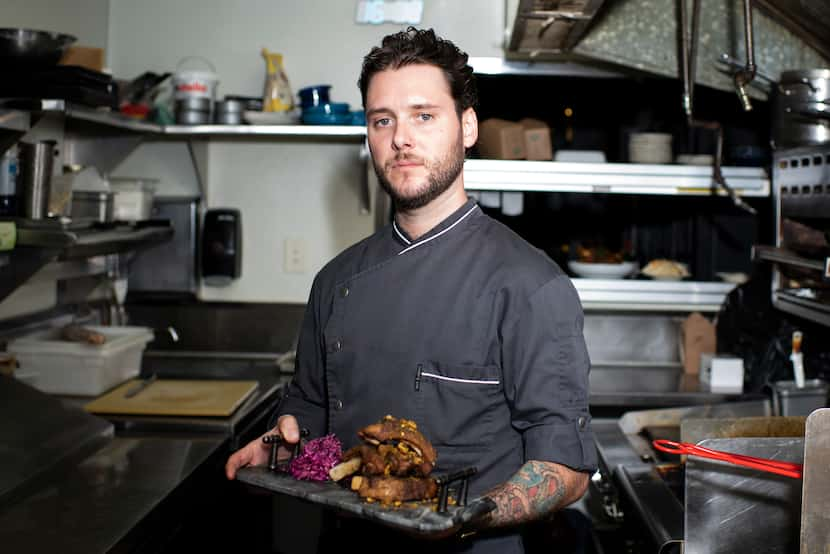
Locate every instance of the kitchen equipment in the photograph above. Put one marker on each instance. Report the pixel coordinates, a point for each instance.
(801, 108)
(602, 270)
(170, 266)
(72, 83)
(136, 388)
(93, 205)
(9, 169)
(195, 83)
(786, 469)
(801, 254)
(229, 112)
(422, 518)
(271, 118)
(36, 175)
(789, 399)
(650, 148)
(194, 110)
(314, 96)
(175, 397)
(65, 367)
(221, 253)
(132, 198)
(736, 509)
(32, 48)
(815, 494)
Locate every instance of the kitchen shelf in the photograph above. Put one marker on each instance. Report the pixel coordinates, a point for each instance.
(782, 256)
(357, 132)
(96, 240)
(18, 119)
(797, 304)
(651, 295)
(612, 178)
(39, 244)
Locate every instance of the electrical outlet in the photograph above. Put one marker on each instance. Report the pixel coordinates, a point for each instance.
(295, 256)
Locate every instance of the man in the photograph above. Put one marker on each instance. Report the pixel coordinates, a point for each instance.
(445, 316)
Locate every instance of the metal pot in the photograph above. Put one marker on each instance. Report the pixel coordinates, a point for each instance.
(26, 47)
(801, 108)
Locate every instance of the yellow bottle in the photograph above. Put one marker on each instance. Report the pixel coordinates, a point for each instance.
(277, 96)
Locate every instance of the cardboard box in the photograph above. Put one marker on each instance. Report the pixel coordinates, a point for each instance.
(499, 139)
(697, 337)
(537, 139)
(84, 56)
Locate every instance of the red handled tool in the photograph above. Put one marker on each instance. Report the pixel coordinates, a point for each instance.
(788, 469)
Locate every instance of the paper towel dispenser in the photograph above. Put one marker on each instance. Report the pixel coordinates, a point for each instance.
(221, 252)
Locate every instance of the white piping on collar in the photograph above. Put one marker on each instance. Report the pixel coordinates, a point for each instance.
(438, 234)
(403, 238)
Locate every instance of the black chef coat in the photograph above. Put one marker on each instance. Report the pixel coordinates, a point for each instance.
(467, 330)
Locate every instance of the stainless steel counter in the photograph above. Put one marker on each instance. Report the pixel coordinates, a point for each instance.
(133, 491)
(95, 504)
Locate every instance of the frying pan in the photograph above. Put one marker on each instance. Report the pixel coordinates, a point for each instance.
(31, 48)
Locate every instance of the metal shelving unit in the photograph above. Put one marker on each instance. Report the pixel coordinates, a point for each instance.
(613, 178)
(651, 295)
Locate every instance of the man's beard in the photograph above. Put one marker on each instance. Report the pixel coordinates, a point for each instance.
(441, 176)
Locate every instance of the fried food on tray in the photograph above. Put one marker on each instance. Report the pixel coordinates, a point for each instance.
(598, 256)
(393, 464)
(666, 269)
(394, 489)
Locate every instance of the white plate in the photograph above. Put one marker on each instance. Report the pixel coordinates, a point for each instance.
(271, 118)
(602, 271)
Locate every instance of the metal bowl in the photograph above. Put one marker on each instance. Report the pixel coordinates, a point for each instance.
(27, 47)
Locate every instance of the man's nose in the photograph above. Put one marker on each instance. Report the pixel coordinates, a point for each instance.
(402, 137)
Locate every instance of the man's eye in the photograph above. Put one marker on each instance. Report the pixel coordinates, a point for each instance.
(382, 122)
(424, 116)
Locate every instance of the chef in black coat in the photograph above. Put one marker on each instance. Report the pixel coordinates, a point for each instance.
(445, 316)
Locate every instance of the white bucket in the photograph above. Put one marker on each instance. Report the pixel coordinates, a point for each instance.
(194, 83)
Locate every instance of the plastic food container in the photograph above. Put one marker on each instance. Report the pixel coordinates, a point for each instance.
(94, 205)
(74, 368)
(195, 83)
(133, 198)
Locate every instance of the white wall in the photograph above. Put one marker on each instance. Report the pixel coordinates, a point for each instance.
(285, 189)
(319, 39)
(85, 19)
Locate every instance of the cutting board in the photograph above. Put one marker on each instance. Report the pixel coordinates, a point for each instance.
(176, 397)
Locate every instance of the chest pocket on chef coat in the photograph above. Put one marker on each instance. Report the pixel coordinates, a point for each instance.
(460, 405)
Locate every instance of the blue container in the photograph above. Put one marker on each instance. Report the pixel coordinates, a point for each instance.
(327, 119)
(314, 96)
(327, 109)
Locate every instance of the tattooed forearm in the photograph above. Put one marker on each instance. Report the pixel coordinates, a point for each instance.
(534, 492)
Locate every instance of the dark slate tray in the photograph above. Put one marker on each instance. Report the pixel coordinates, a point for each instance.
(418, 517)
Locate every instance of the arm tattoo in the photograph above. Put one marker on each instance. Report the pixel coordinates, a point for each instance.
(534, 492)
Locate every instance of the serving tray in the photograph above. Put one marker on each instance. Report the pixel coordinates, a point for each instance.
(421, 517)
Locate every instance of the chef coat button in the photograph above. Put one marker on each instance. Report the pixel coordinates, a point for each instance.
(338, 404)
(344, 292)
(582, 421)
(336, 346)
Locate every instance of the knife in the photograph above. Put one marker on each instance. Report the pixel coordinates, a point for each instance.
(138, 387)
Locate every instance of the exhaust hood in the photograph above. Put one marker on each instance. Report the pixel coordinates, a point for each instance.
(642, 37)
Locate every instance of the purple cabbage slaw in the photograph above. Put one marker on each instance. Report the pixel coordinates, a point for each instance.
(318, 457)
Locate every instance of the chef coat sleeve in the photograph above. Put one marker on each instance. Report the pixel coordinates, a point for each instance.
(545, 364)
(304, 396)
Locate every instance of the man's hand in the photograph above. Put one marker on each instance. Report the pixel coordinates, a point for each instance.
(255, 453)
(537, 490)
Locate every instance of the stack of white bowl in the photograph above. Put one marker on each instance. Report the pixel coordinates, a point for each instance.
(650, 148)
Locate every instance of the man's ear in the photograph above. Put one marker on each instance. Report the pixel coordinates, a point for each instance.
(469, 127)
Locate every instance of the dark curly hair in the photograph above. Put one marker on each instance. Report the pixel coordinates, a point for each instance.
(422, 46)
